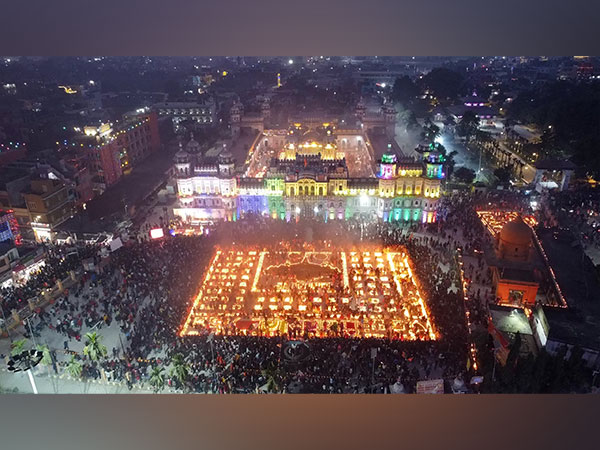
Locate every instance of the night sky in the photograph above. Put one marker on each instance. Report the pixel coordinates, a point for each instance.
(269, 27)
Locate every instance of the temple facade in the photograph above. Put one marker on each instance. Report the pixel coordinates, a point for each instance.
(309, 171)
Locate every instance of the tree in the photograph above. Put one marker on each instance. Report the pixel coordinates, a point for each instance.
(48, 362)
(273, 377)
(468, 124)
(157, 379)
(46, 356)
(465, 175)
(404, 90)
(445, 83)
(18, 347)
(94, 348)
(450, 163)
(503, 174)
(430, 132)
(180, 370)
(74, 367)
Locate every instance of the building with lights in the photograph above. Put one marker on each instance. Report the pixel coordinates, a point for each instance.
(315, 170)
(115, 152)
(9, 227)
(49, 205)
(203, 113)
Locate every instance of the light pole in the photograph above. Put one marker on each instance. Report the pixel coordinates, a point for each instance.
(25, 362)
(4, 321)
(32, 381)
(31, 331)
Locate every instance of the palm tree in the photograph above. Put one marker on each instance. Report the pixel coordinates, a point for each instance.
(180, 370)
(47, 361)
(74, 367)
(157, 379)
(94, 347)
(274, 377)
(18, 347)
(46, 356)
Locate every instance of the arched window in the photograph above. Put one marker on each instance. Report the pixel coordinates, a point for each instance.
(321, 191)
(292, 191)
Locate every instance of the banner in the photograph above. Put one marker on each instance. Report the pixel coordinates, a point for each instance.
(500, 343)
(430, 387)
(116, 244)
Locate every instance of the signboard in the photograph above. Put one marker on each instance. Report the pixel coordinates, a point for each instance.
(430, 387)
(157, 233)
(116, 244)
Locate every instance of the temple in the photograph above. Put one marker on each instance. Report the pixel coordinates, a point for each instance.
(312, 169)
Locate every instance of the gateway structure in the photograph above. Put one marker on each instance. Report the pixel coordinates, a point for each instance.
(311, 169)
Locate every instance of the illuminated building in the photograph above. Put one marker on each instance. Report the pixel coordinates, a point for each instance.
(553, 174)
(49, 205)
(8, 256)
(9, 228)
(513, 274)
(116, 152)
(310, 170)
(202, 113)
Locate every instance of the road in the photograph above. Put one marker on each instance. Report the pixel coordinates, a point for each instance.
(528, 169)
(63, 384)
(467, 158)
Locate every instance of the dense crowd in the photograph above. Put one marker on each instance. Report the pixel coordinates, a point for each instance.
(147, 288)
(59, 261)
(166, 274)
(578, 211)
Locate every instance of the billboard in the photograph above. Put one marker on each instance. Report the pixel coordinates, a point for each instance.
(430, 387)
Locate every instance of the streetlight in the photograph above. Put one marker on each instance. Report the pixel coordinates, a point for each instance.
(25, 362)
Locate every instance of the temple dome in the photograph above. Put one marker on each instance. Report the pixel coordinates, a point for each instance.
(516, 232)
(192, 146)
(181, 155)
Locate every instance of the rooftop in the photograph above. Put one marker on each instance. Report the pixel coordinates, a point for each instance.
(575, 272)
(514, 274)
(574, 327)
(555, 164)
(510, 320)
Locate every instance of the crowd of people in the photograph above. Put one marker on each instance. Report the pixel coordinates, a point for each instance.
(579, 211)
(147, 287)
(59, 261)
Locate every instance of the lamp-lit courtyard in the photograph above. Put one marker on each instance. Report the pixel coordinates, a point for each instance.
(315, 292)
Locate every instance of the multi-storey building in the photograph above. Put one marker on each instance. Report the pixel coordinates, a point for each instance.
(49, 205)
(117, 151)
(9, 228)
(316, 171)
(203, 113)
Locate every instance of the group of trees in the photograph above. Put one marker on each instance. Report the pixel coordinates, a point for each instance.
(97, 352)
(444, 84)
(468, 125)
(568, 113)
